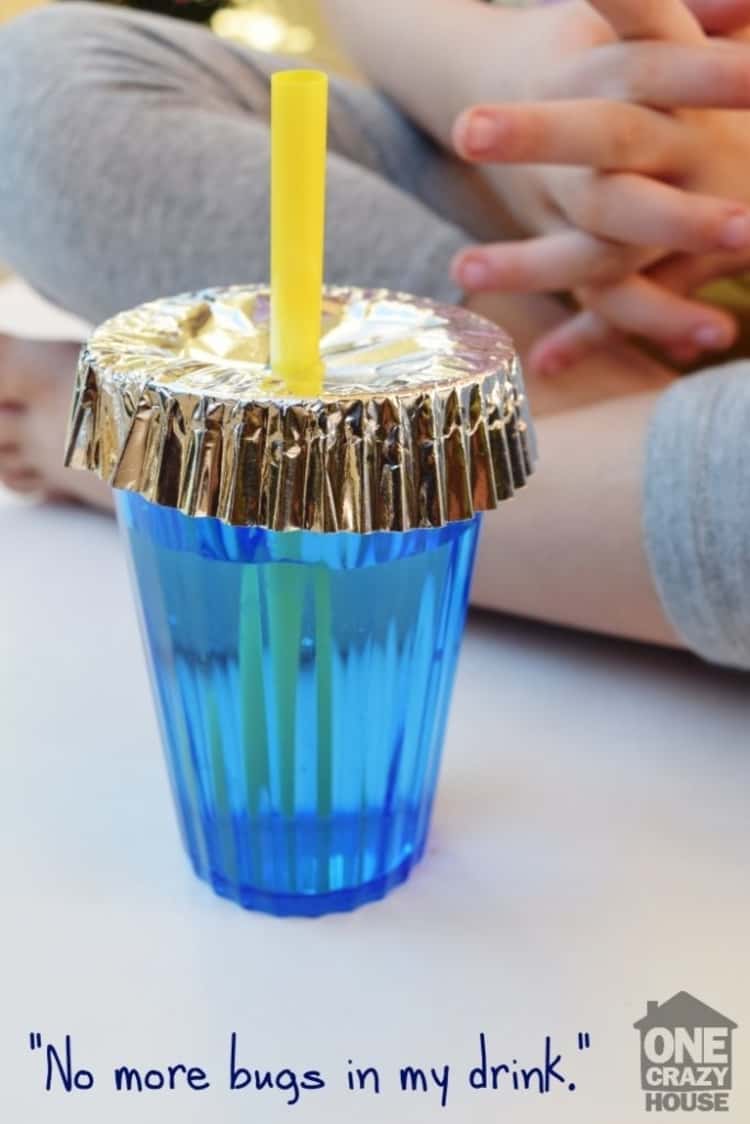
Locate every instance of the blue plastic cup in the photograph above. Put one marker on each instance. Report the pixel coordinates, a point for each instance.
(303, 682)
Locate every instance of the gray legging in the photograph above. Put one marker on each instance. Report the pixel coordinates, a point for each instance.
(133, 163)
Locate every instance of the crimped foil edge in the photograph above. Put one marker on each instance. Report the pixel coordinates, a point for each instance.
(370, 462)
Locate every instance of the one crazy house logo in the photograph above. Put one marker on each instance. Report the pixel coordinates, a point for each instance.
(686, 1056)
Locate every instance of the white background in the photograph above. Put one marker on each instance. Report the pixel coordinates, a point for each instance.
(589, 852)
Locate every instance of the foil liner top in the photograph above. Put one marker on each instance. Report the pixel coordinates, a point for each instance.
(422, 419)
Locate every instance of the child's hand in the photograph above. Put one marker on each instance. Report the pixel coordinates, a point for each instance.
(629, 175)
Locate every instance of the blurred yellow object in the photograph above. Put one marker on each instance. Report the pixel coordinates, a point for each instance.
(262, 30)
(10, 8)
(287, 27)
(299, 110)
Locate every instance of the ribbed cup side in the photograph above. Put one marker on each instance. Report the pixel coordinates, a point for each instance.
(303, 683)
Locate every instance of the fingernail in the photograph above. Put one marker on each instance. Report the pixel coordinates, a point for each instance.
(473, 273)
(711, 336)
(552, 364)
(735, 234)
(480, 133)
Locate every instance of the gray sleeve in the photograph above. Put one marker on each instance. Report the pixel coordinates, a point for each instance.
(134, 158)
(697, 511)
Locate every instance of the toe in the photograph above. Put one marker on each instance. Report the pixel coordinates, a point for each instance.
(35, 388)
(11, 376)
(11, 460)
(10, 425)
(13, 463)
(23, 480)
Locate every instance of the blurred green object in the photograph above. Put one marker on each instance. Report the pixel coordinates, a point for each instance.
(732, 293)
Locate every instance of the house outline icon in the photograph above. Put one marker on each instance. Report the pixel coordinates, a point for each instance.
(682, 1011)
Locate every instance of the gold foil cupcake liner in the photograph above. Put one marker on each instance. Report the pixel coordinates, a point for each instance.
(422, 419)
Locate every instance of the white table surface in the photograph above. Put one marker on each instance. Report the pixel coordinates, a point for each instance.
(589, 852)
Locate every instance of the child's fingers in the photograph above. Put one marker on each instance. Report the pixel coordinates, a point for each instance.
(572, 340)
(650, 19)
(660, 75)
(683, 353)
(553, 262)
(584, 334)
(591, 132)
(684, 273)
(635, 307)
(721, 17)
(589, 330)
(639, 211)
(640, 307)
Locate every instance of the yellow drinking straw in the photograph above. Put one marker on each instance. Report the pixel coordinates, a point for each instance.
(299, 105)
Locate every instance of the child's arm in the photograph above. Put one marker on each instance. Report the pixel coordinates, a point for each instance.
(570, 549)
(579, 562)
(423, 53)
(634, 526)
(436, 57)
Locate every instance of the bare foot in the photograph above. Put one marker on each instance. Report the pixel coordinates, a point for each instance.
(36, 383)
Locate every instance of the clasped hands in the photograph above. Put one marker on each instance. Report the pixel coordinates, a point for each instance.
(623, 157)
